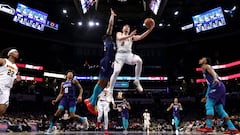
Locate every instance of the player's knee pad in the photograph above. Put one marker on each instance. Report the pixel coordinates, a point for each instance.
(220, 110)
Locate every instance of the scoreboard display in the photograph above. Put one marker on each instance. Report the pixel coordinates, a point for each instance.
(30, 17)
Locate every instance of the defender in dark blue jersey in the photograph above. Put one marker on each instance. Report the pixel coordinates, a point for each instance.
(176, 108)
(105, 66)
(68, 100)
(214, 98)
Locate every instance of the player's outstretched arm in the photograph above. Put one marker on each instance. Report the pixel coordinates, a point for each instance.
(170, 107)
(143, 35)
(111, 23)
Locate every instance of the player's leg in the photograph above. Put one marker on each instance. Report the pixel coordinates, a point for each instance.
(100, 114)
(148, 125)
(118, 64)
(220, 98)
(91, 102)
(210, 103)
(145, 125)
(101, 84)
(3, 108)
(4, 99)
(104, 76)
(124, 122)
(133, 59)
(105, 111)
(55, 117)
(74, 116)
(176, 122)
(223, 114)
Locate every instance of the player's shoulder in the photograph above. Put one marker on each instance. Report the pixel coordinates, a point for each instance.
(206, 66)
(119, 33)
(74, 81)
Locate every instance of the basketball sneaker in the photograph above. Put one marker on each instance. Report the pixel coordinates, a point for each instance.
(105, 132)
(85, 123)
(49, 131)
(90, 107)
(138, 85)
(229, 131)
(205, 129)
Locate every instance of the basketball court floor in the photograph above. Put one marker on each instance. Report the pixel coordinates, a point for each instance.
(112, 133)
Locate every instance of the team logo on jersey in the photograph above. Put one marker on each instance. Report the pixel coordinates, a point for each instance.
(212, 91)
(11, 67)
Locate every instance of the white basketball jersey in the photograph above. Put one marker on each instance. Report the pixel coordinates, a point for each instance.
(8, 74)
(104, 96)
(146, 116)
(124, 45)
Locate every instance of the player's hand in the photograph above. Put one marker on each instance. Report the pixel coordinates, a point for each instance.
(203, 100)
(114, 105)
(133, 33)
(113, 13)
(54, 102)
(152, 26)
(217, 81)
(18, 77)
(79, 99)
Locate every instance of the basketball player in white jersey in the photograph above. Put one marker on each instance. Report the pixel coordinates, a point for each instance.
(8, 76)
(124, 55)
(104, 100)
(146, 121)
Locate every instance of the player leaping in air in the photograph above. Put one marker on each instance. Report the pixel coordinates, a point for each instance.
(105, 64)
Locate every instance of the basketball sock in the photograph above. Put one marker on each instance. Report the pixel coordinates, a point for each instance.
(96, 91)
(230, 125)
(209, 111)
(53, 121)
(176, 120)
(209, 123)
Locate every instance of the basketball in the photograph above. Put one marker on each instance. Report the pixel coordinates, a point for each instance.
(148, 22)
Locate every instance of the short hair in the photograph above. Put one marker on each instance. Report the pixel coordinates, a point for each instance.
(4, 52)
(126, 25)
(69, 71)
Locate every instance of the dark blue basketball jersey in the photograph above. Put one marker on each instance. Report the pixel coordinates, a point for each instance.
(69, 89)
(109, 47)
(125, 111)
(176, 109)
(209, 79)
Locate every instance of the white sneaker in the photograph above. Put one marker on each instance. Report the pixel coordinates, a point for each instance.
(138, 85)
(125, 132)
(85, 123)
(49, 131)
(176, 132)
